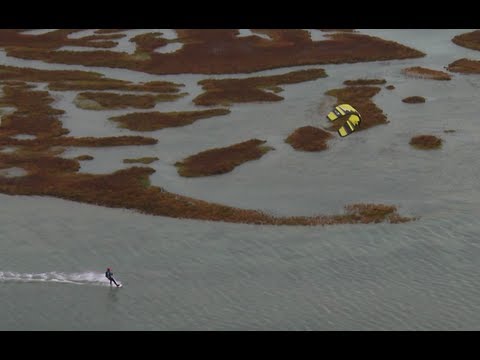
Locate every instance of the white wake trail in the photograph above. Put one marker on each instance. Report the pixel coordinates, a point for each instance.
(81, 278)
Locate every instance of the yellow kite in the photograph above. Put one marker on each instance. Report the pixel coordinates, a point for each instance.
(352, 122)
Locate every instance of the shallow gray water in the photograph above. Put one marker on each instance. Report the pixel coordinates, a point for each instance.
(184, 275)
(193, 275)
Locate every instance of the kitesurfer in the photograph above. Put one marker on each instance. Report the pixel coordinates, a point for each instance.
(109, 276)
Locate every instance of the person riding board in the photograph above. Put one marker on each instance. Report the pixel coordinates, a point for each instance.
(109, 276)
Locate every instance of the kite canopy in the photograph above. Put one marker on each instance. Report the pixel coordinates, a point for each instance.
(352, 122)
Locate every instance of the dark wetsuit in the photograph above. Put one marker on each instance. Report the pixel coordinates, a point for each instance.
(109, 276)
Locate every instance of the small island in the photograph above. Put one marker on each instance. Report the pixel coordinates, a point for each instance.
(426, 142)
(465, 66)
(469, 40)
(143, 160)
(424, 73)
(61, 80)
(222, 160)
(254, 89)
(364, 82)
(151, 121)
(414, 100)
(107, 100)
(84, 157)
(309, 138)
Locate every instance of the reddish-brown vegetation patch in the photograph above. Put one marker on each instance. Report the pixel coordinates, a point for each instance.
(365, 82)
(103, 37)
(338, 30)
(79, 80)
(368, 213)
(143, 160)
(109, 31)
(33, 114)
(227, 91)
(40, 171)
(35, 162)
(215, 51)
(469, 40)
(48, 174)
(221, 160)
(465, 66)
(84, 157)
(360, 97)
(111, 84)
(130, 189)
(309, 138)
(414, 100)
(36, 75)
(420, 72)
(426, 142)
(148, 42)
(390, 87)
(151, 121)
(14, 39)
(13, 83)
(106, 100)
(79, 141)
